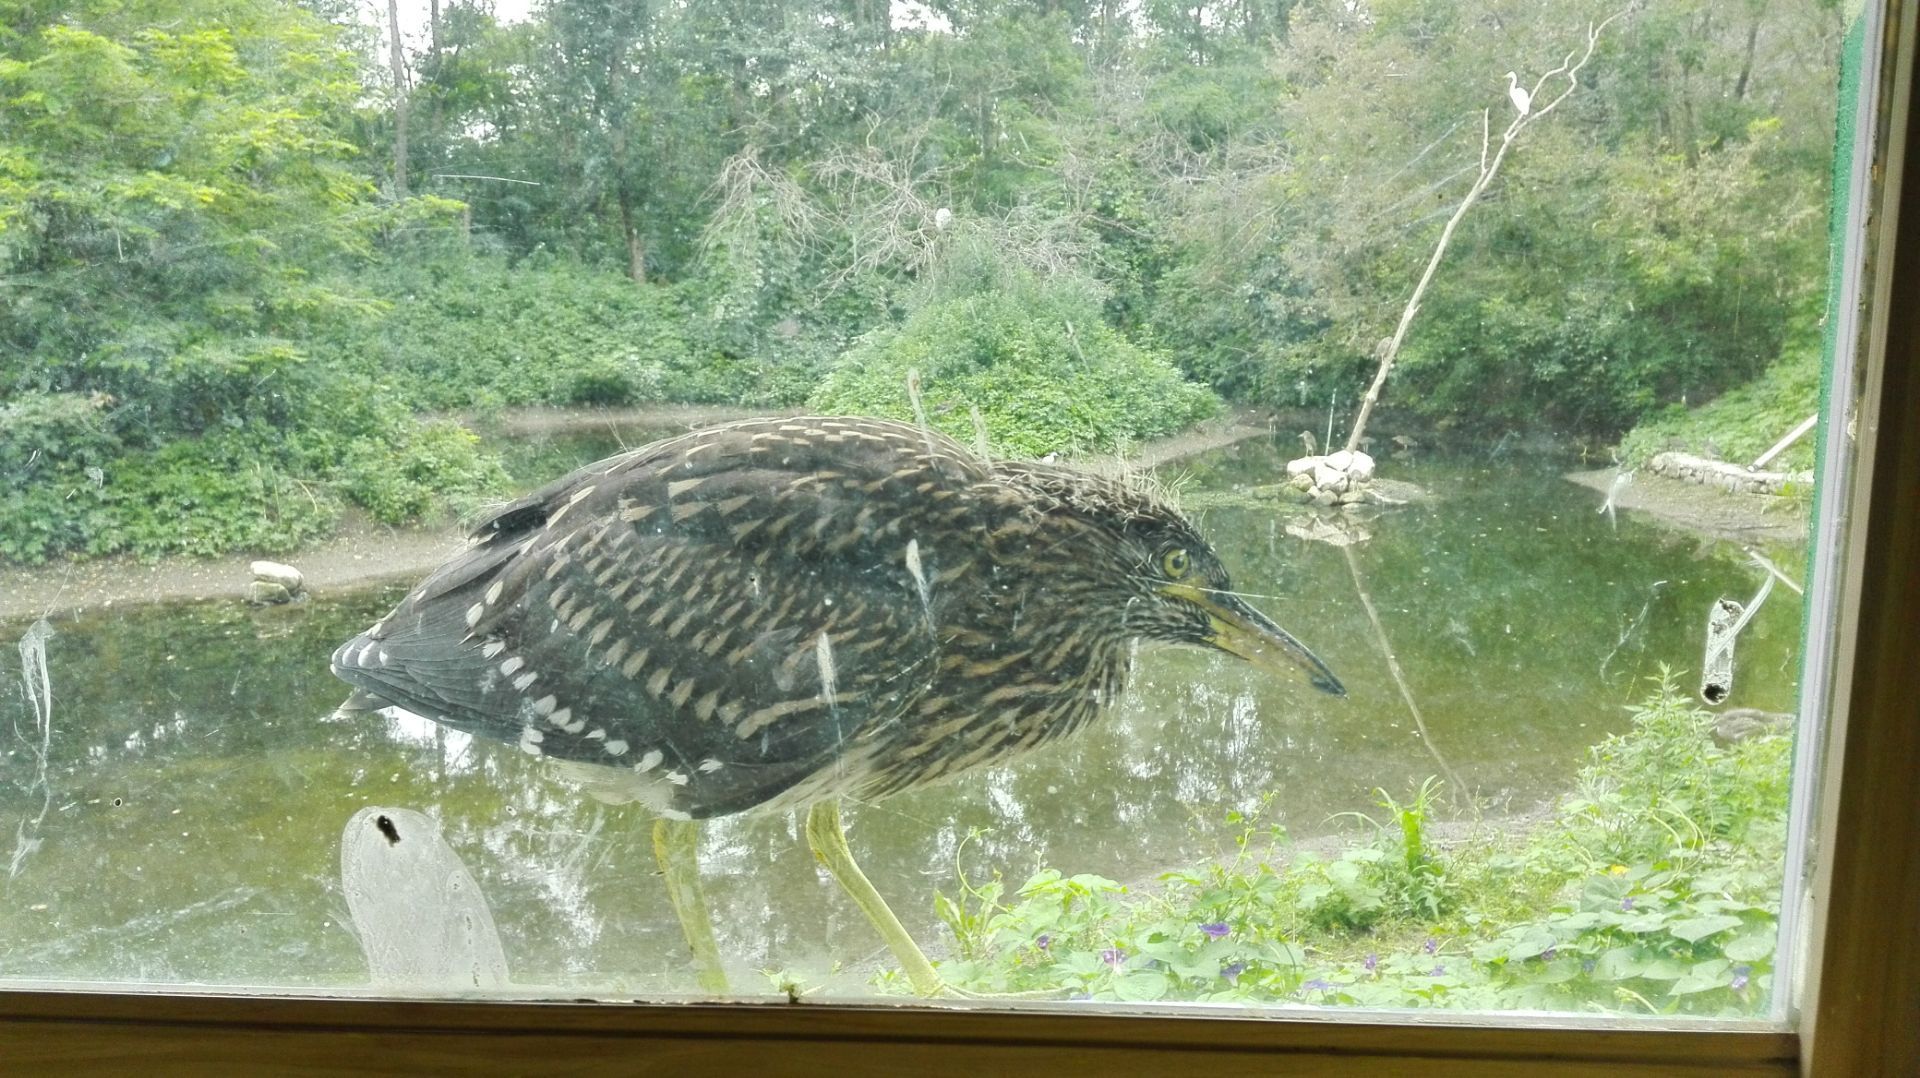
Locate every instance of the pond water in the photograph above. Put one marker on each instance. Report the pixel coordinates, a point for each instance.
(179, 818)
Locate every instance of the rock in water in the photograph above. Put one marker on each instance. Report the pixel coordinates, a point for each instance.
(284, 575)
(1330, 479)
(267, 593)
(423, 923)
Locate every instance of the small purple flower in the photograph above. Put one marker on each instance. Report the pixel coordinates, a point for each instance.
(1549, 954)
(1432, 945)
(1372, 963)
(1437, 971)
(1740, 977)
(1045, 941)
(1626, 904)
(1216, 930)
(1113, 956)
(1231, 974)
(1318, 985)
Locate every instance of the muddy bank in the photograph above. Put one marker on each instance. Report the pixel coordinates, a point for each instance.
(363, 554)
(1691, 507)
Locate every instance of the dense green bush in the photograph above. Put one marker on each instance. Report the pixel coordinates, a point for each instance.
(461, 330)
(249, 486)
(1044, 369)
(1742, 423)
(67, 428)
(1656, 890)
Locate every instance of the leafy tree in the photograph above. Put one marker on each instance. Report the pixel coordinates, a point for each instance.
(172, 178)
(169, 178)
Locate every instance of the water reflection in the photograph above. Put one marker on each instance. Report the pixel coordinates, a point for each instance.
(197, 781)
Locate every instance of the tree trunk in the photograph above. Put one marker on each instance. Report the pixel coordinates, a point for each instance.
(436, 122)
(399, 101)
(614, 114)
(1746, 64)
(636, 245)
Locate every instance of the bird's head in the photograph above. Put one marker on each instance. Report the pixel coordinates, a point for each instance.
(1184, 597)
(1135, 552)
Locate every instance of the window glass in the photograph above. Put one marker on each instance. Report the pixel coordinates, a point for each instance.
(1265, 503)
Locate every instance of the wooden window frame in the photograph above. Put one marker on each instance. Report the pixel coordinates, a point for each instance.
(1858, 999)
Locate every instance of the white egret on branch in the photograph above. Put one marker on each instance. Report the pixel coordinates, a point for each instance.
(1521, 99)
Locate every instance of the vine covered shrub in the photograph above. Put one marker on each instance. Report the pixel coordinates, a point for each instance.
(1044, 369)
(255, 486)
(460, 330)
(1742, 423)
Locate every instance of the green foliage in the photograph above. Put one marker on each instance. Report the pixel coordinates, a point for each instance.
(172, 175)
(417, 469)
(174, 181)
(250, 485)
(1656, 890)
(1658, 238)
(1398, 876)
(55, 427)
(1666, 790)
(195, 496)
(1742, 423)
(1036, 359)
(457, 330)
(1712, 270)
(1045, 213)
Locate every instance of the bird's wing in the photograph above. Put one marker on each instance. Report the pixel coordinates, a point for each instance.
(720, 617)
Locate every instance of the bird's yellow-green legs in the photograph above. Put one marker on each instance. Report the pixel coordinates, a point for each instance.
(676, 845)
(829, 843)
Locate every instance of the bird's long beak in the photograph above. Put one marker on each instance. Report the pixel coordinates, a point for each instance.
(1239, 629)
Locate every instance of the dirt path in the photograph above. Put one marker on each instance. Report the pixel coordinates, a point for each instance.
(364, 554)
(360, 555)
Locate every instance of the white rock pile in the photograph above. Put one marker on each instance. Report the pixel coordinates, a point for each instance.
(1334, 479)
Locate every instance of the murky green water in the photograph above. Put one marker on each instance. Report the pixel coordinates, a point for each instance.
(185, 822)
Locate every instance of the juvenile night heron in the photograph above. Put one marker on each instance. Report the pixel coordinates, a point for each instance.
(781, 613)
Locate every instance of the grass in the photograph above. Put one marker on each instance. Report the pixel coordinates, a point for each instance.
(1741, 424)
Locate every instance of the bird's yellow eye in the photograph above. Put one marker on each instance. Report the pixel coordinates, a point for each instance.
(1176, 562)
